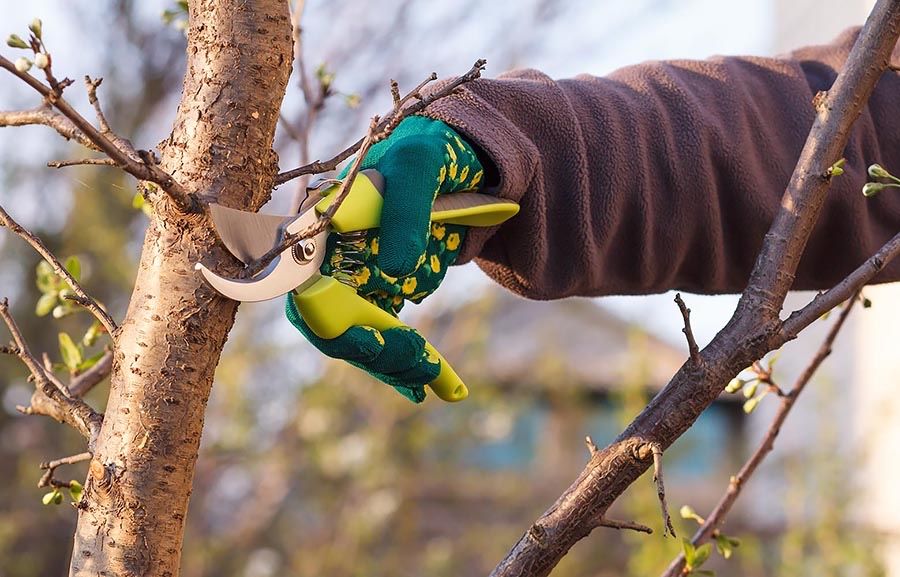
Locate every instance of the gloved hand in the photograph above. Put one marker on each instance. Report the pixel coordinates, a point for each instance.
(407, 257)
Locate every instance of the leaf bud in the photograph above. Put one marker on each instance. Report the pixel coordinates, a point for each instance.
(872, 188)
(15, 41)
(41, 60)
(23, 64)
(877, 171)
(36, 27)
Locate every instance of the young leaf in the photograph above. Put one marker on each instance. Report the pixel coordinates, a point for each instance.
(73, 265)
(690, 552)
(71, 354)
(45, 304)
(45, 278)
(75, 490)
(702, 554)
(51, 497)
(93, 333)
(723, 546)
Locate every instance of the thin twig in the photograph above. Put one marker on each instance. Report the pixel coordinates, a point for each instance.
(74, 412)
(184, 199)
(47, 479)
(824, 302)
(737, 483)
(83, 298)
(45, 115)
(82, 161)
(423, 102)
(688, 332)
(668, 528)
(92, 85)
(631, 525)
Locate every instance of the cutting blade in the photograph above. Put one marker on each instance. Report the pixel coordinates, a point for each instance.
(247, 235)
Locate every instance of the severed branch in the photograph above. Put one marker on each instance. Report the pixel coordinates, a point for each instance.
(60, 406)
(82, 297)
(102, 141)
(711, 524)
(754, 329)
(392, 119)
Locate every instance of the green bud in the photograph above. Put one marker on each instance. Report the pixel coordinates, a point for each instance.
(75, 490)
(872, 188)
(41, 60)
(15, 41)
(751, 404)
(734, 385)
(877, 171)
(23, 64)
(36, 27)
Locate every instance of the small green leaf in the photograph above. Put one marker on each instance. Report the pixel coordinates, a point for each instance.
(73, 265)
(325, 78)
(71, 354)
(36, 27)
(53, 497)
(75, 490)
(45, 278)
(723, 546)
(690, 552)
(93, 333)
(46, 304)
(137, 201)
(702, 554)
(15, 41)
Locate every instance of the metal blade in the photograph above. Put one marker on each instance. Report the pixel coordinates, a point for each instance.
(247, 235)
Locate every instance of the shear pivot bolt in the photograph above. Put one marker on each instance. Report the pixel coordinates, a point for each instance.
(304, 251)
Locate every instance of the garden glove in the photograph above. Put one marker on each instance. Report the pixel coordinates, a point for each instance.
(407, 257)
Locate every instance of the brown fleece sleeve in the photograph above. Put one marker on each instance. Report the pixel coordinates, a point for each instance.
(666, 175)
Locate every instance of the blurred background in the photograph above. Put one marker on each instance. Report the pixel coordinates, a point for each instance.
(309, 467)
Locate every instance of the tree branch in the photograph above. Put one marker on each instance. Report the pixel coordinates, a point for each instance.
(81, 162)
(47, 479)
(46, 116)
(687, 330)
(80, 385)
(754, 329)
(393, 118)
(71, 411)
(83, 298)
(185, 200)
(723, 507)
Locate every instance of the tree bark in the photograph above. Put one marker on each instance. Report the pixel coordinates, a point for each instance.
(132, 516)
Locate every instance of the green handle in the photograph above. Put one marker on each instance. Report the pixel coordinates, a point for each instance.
(330, 308)
(361, 210)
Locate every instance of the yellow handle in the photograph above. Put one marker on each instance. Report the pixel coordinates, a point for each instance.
(330, 308)
(361, 210)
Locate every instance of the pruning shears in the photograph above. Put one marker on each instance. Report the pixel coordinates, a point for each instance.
(327, 305)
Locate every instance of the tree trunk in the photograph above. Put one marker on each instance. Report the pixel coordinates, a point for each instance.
(136, 498)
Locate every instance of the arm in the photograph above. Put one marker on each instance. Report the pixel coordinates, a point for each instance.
(666, 175)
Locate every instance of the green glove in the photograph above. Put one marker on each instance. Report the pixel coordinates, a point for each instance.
(405, 259)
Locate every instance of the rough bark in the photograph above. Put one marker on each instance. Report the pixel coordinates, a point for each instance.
(132, 518)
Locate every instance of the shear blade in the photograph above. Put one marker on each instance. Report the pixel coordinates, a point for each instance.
(247, 235)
